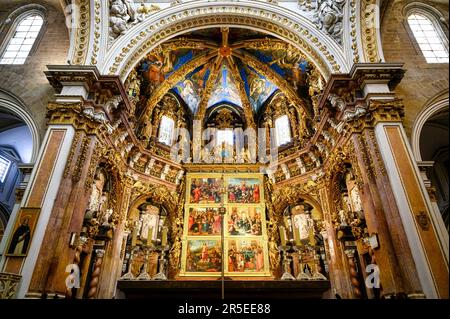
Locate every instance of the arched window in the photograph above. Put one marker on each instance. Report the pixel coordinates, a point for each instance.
(429, 37)
(166, 130)
(22, 40)
(283, 130)
(225, 136)
(4, 168)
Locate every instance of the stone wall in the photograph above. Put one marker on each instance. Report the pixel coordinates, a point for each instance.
(28, 81)
(422, 80)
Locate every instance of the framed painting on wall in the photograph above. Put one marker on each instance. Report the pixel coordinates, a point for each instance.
(22, 234)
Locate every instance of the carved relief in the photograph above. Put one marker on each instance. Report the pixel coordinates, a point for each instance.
(326, 14)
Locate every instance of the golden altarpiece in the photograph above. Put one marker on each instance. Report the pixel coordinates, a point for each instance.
(142, 206)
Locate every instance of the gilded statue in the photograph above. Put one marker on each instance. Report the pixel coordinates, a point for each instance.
(274, 255)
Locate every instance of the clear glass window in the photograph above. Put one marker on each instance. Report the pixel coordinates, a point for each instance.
(225, 136)
(166, 130)
(283, 130)
(20, 44)
(4, 168)
(428, 39)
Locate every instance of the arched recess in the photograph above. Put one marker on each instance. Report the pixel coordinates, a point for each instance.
(430, 144)
(435, 105)
(12, 104)
(268, 18)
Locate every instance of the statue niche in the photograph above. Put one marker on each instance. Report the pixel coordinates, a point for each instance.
(98, 217)
(303, 226)
(148, 239)
(349, 219)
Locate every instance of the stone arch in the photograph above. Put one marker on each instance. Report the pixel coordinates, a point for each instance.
(320, 48)
(13, 104)
(308, 199)
(434, 106)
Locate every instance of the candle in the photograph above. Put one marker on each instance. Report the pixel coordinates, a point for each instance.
(150, 236)
(164, 237)
(296, 236)
(134, 237)
(282, 235)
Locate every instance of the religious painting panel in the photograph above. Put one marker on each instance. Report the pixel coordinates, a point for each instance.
(244, 190)
(205, 191)
(204, 256)
(244, 221)
(23, 231)
(204, 221)
(245, 255)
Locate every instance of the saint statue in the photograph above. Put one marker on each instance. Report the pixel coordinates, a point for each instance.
(303, 223)
(96, 192)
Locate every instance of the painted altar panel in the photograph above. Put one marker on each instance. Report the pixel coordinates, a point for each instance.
(240, 199)
(244, 221)
(244, 190)
(204, 255)
(204, 221)
(205, 191)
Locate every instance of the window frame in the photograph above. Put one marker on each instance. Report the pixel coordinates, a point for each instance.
(173, 131)
(278, 144)
(228, 131)
(8, 166)
(14, 19)
(436, 20)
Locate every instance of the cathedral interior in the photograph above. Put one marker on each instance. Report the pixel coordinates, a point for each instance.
(289, 148)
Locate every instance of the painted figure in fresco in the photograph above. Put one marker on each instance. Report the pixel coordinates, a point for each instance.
(21, 238)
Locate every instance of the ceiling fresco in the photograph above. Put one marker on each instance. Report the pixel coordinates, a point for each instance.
(215, 66)
(225, 90)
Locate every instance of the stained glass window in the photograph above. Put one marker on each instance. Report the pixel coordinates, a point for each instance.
(22, 41)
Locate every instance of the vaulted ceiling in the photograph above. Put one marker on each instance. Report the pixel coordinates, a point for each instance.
(215, 66)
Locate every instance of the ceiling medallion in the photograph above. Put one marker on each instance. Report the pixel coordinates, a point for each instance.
(225, 51)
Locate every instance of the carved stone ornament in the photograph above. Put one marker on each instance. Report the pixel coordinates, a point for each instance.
(423, 220)
(326, 14)
(125, 13)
